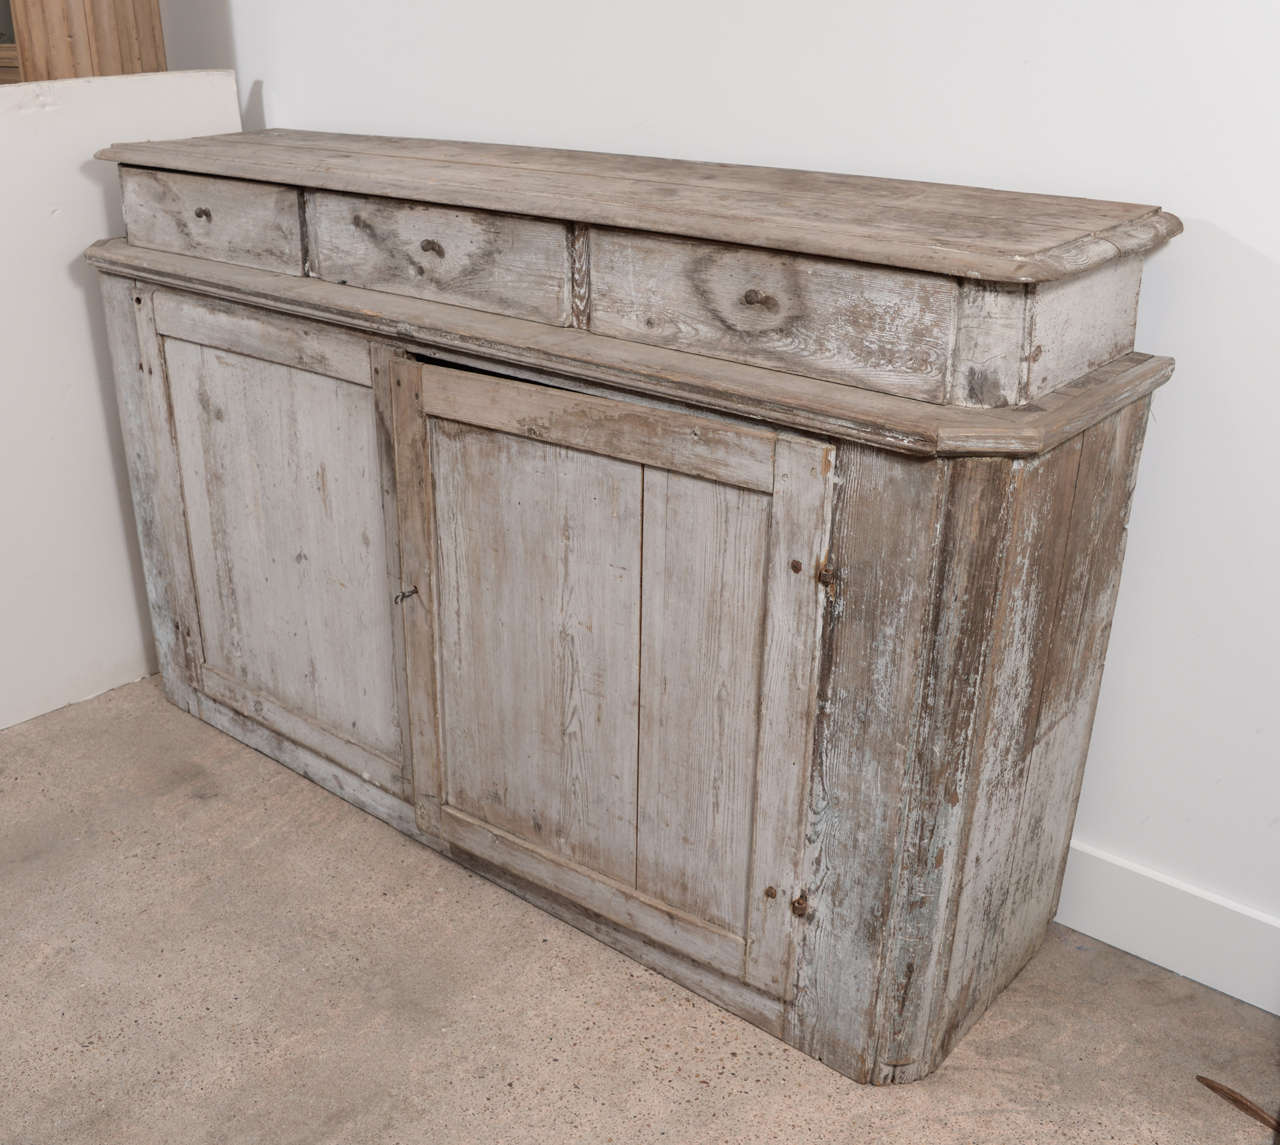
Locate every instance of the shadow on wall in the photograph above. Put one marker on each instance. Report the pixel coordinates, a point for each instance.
(203, 36)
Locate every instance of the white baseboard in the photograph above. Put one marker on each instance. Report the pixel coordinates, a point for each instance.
(1223, 944)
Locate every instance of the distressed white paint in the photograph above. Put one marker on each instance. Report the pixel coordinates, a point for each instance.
(72, 609)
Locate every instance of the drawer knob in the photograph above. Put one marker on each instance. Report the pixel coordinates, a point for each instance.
(204, 213)
(754, 297)
(431, 246)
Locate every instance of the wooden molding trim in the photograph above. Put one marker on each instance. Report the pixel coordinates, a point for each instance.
(964, 232)
(903, 425)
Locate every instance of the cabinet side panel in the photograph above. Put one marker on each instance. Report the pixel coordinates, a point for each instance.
(884, 536)
(539, 594)
(155, 485)
(1081, 323)
(1091, 580)
(1013, 683)
(971, 550)
(705, 553)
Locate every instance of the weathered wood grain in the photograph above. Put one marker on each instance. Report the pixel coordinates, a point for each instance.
(922, 336)
(502, 263)
(844, 412)
(799, 535)
(884, 329)
(1058, 209)
(1081, 323)
(415, 511)
(700, 446)
(701, 646)
(310, 346)
(1042, 494)
(539, 643)
(227, 220)
(580, 274)
(284, 509)
(989, 359)
(884, 534)
(964, 232)
(378, 365)
(155, 484)
(970, 552)
(1077, 647)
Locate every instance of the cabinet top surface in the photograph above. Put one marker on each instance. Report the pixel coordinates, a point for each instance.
(972, 232)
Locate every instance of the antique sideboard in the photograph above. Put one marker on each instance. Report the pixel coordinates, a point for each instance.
(721, 558)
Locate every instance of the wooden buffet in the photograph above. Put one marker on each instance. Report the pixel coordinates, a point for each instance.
(721, 558)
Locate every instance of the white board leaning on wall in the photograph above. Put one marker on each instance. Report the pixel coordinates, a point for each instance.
(72, 609)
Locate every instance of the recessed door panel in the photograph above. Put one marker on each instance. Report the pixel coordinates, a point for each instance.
(705, 553)
(539, 593)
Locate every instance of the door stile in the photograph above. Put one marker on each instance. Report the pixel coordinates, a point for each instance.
(381, 358)
(798, 543)
(415, 511)
(146, 416)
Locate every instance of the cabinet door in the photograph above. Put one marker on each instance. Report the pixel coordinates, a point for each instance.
(612, 651)
(288, 495)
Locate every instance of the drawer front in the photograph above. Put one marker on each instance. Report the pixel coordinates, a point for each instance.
(868, 326)
(506, 264)
(227, 220)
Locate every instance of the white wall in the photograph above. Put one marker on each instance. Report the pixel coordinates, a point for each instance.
(1168, 102)
(72, 608)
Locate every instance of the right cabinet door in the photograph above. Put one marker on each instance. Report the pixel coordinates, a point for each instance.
(612, 634)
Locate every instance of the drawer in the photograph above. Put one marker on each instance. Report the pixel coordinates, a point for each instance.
(227, 220)
(870, 326)
(506, 264)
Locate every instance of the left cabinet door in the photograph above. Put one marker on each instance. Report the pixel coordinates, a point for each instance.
(279, 445)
